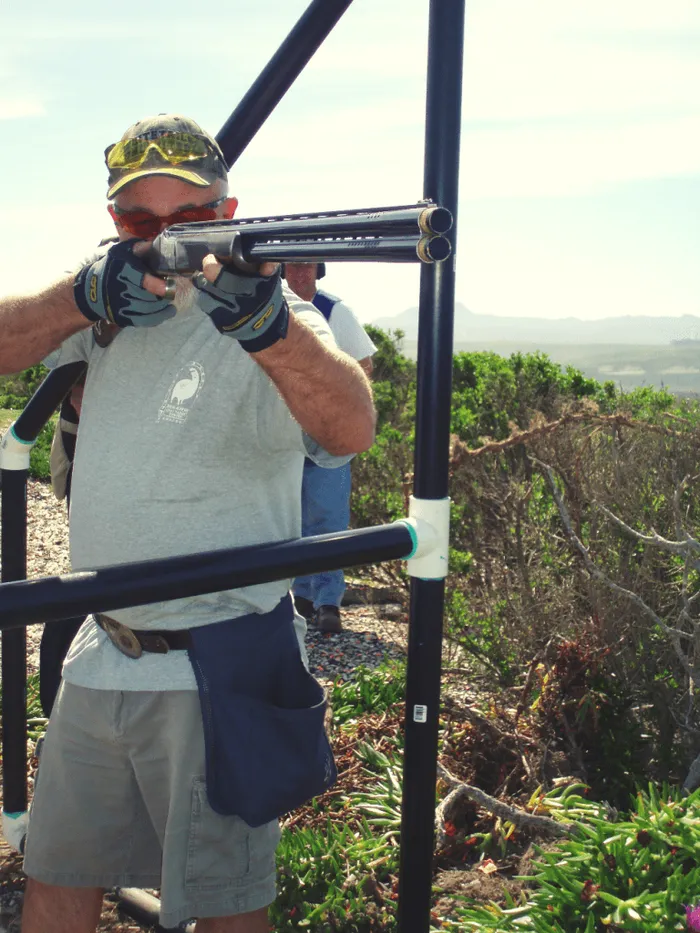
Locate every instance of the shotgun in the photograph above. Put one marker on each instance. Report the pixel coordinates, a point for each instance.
(412, 233)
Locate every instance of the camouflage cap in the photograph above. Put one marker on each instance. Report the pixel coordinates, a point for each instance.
(201, 167)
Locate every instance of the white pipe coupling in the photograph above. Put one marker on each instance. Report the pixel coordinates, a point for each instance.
(14, 452)
(430, 521)
(14, 829)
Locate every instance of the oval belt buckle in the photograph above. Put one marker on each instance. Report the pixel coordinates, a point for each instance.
(122, 638)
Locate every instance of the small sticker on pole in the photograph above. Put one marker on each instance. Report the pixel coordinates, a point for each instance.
(420, 713)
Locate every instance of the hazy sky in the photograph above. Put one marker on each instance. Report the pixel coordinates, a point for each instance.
(580, 155)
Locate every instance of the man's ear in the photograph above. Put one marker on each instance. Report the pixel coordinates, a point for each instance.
(229, 207)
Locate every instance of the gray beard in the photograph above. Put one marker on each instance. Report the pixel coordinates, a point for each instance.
(185, 295)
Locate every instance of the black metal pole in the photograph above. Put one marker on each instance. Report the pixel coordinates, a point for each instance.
(433, 410)
(14, 460)
(144, 908)
(278, 75)
(13, 501)
(141, 582)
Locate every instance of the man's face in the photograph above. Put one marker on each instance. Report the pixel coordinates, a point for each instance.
(301, 278)
(162, 196)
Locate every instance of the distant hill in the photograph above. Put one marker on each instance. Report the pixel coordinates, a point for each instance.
(534, 331)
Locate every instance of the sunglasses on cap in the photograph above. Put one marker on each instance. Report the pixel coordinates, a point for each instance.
(146, 226)
(174, 148)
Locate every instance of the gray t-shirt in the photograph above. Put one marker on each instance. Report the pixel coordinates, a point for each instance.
(185, 445)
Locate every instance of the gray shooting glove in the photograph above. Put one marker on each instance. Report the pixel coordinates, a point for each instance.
(111, 289)
(249, 307)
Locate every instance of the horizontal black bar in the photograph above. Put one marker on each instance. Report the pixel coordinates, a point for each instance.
(142, 582)
(46, 400)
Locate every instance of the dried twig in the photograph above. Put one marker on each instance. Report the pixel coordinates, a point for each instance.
(539, 825)
(675, 635)
(461, 453)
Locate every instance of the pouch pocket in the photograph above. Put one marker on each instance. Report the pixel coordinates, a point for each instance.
(265, 760)
(263, 715)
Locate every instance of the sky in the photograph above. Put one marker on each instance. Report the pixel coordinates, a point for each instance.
(579, 157)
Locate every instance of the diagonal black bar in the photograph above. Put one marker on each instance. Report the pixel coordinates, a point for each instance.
(278, 75)
(433, 411)
(46, 400)
(141, 582)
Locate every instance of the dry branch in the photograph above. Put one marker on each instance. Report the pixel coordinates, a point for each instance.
(461, 453)
(459, 792)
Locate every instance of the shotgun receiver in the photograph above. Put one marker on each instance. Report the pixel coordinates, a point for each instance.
(413, 233)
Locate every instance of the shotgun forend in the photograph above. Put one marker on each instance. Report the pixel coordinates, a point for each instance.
(414, 233)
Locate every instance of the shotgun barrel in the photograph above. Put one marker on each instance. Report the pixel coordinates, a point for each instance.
(413, 233)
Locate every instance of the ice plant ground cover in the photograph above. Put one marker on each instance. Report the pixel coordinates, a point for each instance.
(636, 871)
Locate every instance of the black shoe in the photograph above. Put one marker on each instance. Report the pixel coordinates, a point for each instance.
(328, 619)
(304, 607)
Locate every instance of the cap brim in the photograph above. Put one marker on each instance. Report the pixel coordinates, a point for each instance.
(192, 178)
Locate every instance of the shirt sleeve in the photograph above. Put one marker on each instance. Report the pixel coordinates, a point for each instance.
(349, 334)
(78, 347)
(310, 315)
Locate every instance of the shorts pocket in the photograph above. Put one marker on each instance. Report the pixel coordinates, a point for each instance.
(218, 847)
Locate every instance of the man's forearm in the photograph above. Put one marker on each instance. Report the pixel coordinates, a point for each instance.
(32, 326)
(325, 389)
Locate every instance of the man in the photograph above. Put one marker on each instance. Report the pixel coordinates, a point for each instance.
(194, 425)
(325, 496)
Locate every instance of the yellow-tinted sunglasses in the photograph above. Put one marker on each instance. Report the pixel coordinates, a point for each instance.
(174, 148)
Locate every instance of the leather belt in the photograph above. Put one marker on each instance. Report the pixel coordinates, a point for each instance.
(133, 643)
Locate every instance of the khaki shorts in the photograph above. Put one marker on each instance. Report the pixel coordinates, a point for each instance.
(121, 799)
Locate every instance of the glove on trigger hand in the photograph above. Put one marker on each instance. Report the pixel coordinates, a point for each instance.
(249, 307)
(111, 289)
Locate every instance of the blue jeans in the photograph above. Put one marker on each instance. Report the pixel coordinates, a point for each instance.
(325, 507)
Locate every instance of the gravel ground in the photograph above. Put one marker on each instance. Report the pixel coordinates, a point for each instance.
(372, 632)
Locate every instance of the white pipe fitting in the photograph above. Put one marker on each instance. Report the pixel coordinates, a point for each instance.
(430, 523)
(14, 452)
(14, 829)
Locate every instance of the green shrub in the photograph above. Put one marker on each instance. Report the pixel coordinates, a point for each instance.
(22, 386)
(635, 874)
(333, 881)
(16, 402)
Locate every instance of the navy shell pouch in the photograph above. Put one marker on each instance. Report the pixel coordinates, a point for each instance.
(265, 741)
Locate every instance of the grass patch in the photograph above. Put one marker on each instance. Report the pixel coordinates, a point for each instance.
(371, 691)
(7, 416)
